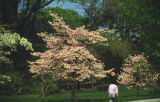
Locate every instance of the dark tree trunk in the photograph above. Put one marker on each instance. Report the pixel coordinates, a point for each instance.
(92, 88)
(9, 10)
(73, 90)
(27, 22)
(42, 91)
(137, 91)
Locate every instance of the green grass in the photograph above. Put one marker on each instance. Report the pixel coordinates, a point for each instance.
(81, 96)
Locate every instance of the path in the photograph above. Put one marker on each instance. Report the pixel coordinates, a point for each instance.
(149, 100)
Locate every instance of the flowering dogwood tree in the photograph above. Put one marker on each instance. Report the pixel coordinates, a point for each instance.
(67, 56)
(137, 73)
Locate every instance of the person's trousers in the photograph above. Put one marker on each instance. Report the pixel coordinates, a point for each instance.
(113, 100)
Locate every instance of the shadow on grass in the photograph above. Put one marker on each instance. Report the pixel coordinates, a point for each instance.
(88, 100)
(137, 95)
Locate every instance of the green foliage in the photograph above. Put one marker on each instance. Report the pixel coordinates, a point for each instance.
(20, 83)
(117, 46)
(71, 17)
(22, 14)
(139, 20)
(47, 85)
(155, 91)
(9, 40)
(24, 42)
(17, 84)
(6, 28)
(4, 78)
(9, 43)
(97, 14)
(27, 15)
(3, 58)
(120, 48)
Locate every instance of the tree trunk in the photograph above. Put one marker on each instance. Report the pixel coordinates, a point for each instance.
(9, 10)
(42, 92)
(73, 90)
(137, 91)
(27, 22)
(92, 88)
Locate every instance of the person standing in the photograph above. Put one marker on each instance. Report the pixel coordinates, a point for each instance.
(113, 92)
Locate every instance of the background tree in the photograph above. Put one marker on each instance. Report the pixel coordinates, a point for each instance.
(22, 14)
(28, 14)
(138, 21)
(71, 17)
(9, 46)
(18, 16)
(4, 79)
(67, 56)
(97, 14)
(9, 11)
(114, 54)
(137, 72)
(9, 43)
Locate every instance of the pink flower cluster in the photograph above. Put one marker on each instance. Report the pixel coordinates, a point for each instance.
(137, 72)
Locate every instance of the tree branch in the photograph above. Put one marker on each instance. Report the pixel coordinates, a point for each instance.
(46, 4)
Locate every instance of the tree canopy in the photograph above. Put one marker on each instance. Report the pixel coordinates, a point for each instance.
(67, 56)
(71, 17)
(137, 72)
(10, 43)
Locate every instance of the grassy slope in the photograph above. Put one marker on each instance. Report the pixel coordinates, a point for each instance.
(100, 96)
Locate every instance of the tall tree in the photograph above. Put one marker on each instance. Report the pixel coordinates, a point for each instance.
(9, 11)
(22, 13)
(138, 21)
(97, 14)
(67, 56)
(9, 44)
(28, 15)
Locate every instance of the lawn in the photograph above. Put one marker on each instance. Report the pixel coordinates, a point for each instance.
(81, 96)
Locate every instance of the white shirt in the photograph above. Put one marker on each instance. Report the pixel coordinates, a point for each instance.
(113, 90)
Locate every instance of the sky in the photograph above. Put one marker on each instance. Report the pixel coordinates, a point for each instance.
(69, 5)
